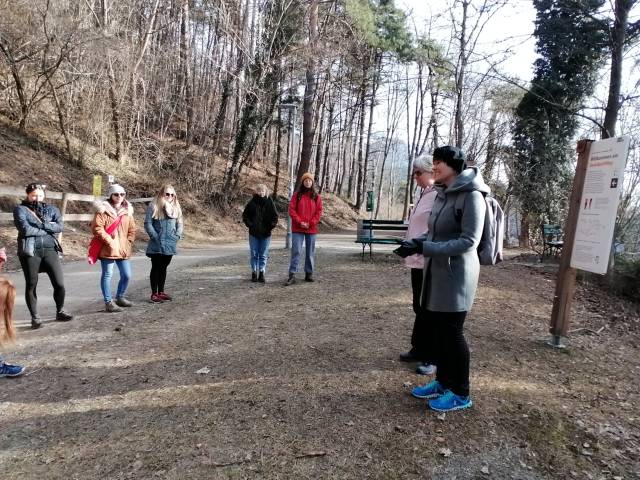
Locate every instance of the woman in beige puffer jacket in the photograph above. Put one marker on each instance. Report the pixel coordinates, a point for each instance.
(117, 246)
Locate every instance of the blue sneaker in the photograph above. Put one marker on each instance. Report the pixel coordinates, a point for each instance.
(449, 402)
(432, 389)
(7, 370)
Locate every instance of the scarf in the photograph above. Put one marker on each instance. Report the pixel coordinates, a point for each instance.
(39, 208)
(170, 210)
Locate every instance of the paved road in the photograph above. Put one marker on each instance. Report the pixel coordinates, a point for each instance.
(82, 279)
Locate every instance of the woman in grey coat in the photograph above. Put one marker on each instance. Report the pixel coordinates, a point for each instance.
(164, 225)
(451, 273)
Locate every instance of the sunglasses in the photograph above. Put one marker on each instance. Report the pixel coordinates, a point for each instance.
(35, 186)
(167, 194)
(118, 194)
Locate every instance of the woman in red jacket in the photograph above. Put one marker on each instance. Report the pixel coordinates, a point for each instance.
(305, 210)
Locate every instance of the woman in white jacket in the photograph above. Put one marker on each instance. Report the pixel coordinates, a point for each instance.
(422, 335)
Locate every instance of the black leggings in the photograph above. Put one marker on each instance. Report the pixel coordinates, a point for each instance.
(45, 260)
(452, 351)
(158, 275)
(423, 335)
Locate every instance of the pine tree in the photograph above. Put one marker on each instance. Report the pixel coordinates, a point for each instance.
(570, 42)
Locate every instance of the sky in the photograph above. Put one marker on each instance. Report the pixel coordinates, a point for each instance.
(506, 40)
(510, 29)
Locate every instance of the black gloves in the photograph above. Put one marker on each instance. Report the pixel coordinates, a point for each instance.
(408, 247)
(417, 245)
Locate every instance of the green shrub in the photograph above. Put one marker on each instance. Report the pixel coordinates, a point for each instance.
(627, 276)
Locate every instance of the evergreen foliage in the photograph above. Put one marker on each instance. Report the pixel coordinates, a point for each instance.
(570, 42)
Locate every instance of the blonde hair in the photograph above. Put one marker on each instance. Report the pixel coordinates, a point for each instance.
(261, 187)
(160, 202)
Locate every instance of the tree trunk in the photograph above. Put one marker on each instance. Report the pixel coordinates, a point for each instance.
(15, 73)
(359, 174)
(318, 161)
(372, 104)
(617, 39)
(462, 65)
(492, 147)
(227, 86)
(308, 130)
(324, 182)
(278, 153)
(61, 123)
(186, 70)
(618, 34)
(116, 124)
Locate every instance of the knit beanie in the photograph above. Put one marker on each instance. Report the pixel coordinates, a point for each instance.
(452, 156)
(307, 175)
(115, 188)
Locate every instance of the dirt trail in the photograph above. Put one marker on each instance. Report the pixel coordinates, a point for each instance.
(242, 380)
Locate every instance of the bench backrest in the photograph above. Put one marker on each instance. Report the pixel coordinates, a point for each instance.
(367, 227)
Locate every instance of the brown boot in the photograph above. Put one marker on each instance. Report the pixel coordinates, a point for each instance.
(112, 307)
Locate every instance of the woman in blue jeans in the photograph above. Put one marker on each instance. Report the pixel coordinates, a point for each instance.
(305, 210)
(261, 217)
(116, 246)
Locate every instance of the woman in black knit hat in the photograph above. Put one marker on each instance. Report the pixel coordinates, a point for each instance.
(451, 273)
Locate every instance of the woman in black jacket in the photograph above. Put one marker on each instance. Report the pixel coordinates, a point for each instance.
(260, 216)
(38, 249)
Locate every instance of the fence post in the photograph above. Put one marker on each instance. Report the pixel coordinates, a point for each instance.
(63, 211)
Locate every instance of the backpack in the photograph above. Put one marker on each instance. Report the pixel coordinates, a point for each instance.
(490, 246)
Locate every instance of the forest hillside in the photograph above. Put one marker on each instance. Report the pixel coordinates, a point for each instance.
(34, 155)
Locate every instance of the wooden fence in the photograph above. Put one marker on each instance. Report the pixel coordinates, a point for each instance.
(65, 197)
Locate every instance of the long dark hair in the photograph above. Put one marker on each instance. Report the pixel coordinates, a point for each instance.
(302, 190)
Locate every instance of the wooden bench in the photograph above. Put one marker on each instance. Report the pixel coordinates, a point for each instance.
(384, 232)
(552, 241)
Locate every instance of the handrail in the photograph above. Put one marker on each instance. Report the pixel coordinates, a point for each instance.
(10, 191)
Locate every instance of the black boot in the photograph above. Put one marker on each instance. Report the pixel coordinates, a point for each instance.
(63, 316)
(308, 277)
(291, 280)
(261, 277)
(254, 276)
(35, 322)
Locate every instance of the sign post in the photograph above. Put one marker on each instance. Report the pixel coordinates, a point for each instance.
(589, 228)
(370, 202)
(97, 185)
(599, 205)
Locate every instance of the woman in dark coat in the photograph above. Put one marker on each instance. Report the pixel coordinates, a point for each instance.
(451, 273)
(261, 217)
(38, 249)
